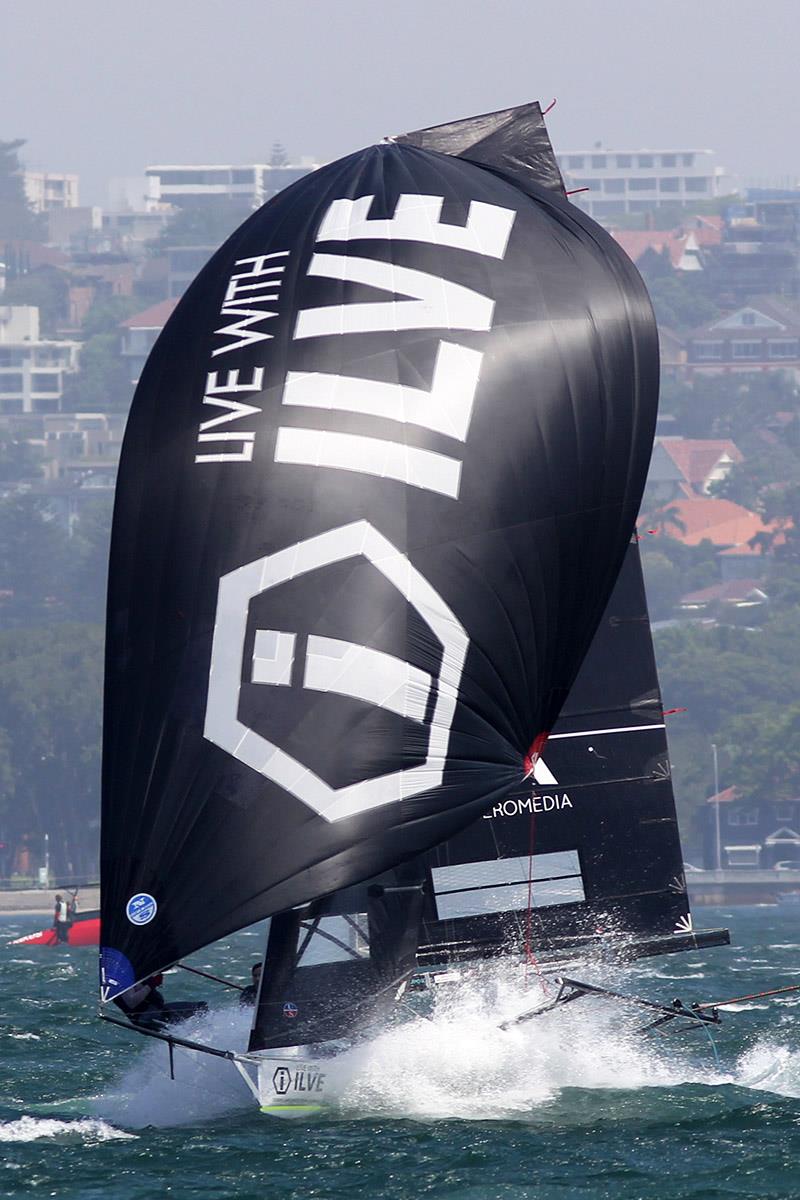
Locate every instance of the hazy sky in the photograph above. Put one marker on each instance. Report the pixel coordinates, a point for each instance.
(104, 88)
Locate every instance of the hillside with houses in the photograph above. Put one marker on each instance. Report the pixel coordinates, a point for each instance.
(85, 292)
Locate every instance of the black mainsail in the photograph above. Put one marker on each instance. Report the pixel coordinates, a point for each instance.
(378, 481)
(588, 851)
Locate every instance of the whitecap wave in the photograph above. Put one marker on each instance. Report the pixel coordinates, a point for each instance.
(770, 1066)
(32, 1129)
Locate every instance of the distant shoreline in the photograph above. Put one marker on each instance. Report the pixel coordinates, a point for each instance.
(40, 902)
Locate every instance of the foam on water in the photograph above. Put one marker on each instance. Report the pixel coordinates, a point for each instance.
(32, 1129)
(204, 1087)
(460, 1064)
(453, 1062)
(770, 1066)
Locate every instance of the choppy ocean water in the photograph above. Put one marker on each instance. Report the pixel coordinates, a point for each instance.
(577, 1106)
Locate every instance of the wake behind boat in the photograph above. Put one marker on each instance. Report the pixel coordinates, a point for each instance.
(378, 485)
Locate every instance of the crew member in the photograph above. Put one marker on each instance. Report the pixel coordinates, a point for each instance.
(143, 1004)
(249, 995)
(61, 919)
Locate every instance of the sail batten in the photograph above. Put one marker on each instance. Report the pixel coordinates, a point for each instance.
(378, 480)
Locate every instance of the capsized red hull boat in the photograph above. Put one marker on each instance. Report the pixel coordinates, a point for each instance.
(84, 931)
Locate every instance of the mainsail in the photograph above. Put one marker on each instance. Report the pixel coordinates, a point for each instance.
(588, 850)
(378, 480)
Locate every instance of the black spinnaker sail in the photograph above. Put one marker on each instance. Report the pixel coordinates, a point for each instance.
(377, 483)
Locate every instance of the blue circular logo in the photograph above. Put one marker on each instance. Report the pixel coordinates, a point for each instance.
(141, 909)
(289, 1009)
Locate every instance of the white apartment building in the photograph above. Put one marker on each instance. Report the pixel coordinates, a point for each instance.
(47, 190)
(251, 183)
(32, 369)
(636, 181)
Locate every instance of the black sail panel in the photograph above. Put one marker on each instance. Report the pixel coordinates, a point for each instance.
(590, 848)
(378, 479)
(514, 141)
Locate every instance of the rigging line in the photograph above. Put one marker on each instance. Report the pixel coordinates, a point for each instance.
(514, 912)
(357, 928)
(323, 933)
(310, 931)
(216, 978)
(530, 957)
(793, 987)
(715, 1052)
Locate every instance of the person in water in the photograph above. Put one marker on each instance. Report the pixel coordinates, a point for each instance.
(249, 994)
(61, 919)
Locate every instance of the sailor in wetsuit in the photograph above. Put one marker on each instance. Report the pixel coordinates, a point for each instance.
(143, 1004)
(249, 994)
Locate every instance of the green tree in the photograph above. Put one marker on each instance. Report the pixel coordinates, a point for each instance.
(46, 288)
(750, 482)
(208, 225)
(681, 299)
(729, 406)
(666, 518)
(103, 383)
(17, 218)
(664, 586)
(89, 562)
(34, 558)
(782, 505)
(50, 708)
(18, 459)
(107, 313)
(765, 752)
(740, 688)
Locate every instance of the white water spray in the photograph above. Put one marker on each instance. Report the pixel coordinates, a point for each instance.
(454, 1062)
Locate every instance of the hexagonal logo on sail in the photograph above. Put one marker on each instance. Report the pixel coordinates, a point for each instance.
(334, 666)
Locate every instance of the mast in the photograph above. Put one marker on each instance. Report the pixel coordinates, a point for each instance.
(338, 966)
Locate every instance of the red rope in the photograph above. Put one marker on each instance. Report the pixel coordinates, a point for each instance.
(552, 104)
(531, 758)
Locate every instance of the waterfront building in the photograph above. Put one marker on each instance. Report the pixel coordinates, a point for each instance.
(198, 184)
(750, 834)
(47, 190)
(32, 368)
(685, 467)
(638, 181)
(762, 335)
(760, 249)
